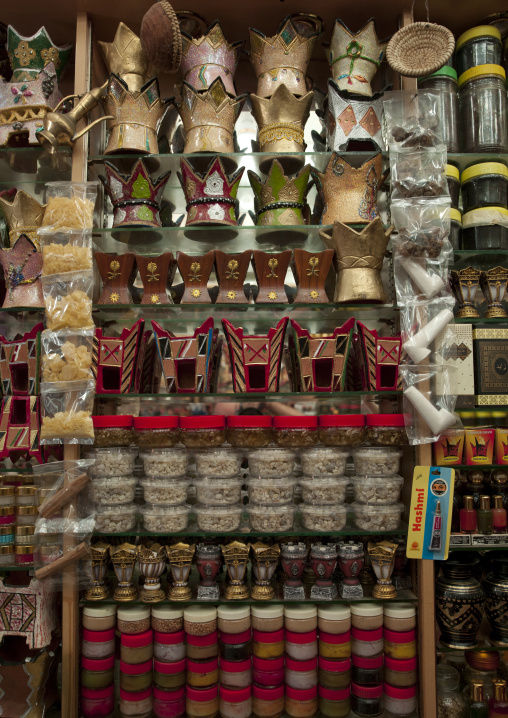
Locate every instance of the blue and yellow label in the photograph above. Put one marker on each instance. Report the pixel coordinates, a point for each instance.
(430, 514)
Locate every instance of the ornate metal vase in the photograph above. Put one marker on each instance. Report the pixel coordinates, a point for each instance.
(323, 560)
(495, 585)
(180, 560)
(459, 602)
(464, 284)
(351, 563)
(96, 564)
(382, 557)
(152, 562)
(208, 563)
(236, 555)
(264, 562)
(293, 559)
(123, 558)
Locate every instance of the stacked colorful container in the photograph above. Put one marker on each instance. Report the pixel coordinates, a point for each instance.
(202, 692)
(301, 673)
(235, 647)
(136, 659)
(334, 662)
(400, 673)
(98, 661)
(367, 659)
(268, 660)
(169, 675)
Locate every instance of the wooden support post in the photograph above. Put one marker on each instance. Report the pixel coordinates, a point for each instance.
(70, 592)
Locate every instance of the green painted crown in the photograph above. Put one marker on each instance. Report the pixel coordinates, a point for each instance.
(280, 200)
(29, 55)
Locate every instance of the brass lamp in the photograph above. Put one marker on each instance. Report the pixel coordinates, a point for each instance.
(236, 555)
(124, 558)
(180, 560)
(96, 564)
(264, 562)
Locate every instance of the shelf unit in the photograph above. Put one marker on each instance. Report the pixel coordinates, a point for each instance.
(78, 18)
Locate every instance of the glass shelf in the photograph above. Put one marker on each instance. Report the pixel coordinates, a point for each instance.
(33, 165)
(481, 320)
(480, 258)
(17, 568)
(251, 397)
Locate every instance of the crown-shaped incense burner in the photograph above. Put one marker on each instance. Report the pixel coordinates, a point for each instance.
(25, 103)
(209, 56)
(255, 359)
(29, 55)
(352, 117)
(355, 57)
(379, 359)
(115, 360)
(20, 363)
(349, 194)
(209, 117)
(125, 57)
(24, 215)
(210, 198)
(136, 116)
(280, 200)
(283, 58)
(136, 197)
(281, 120)
(320, 360)
(22, 268)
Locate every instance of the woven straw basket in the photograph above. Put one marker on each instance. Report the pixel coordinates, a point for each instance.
(420, 48)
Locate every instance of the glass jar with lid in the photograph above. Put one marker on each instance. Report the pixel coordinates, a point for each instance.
(367, 643)
(97, 673)
(235, 674)
(113, 430)
(202, 674)
(479, 45)
(481, 667)
(268, 672)
(137, 647)
(24, 535)
(166, 619)
(366, 615)
(27, 495)
(169, 646)
(301, 674)
(301, 703)
(443, 84)
(453, 181)
(7, 494)
(334, 674)
(98, 618)
(399, 617)
(202, 432)
(233, 619)
(133, 619)
(335, 645)
(295, 432)
(334, 703)
(267, 702)
(300, 617)
(450, 701)
(136, 704)
(249, 432)
(97, 703)
(169, 676)
(136, 676)
(156, 432)
(202, 648)
(485, 228)
(385, 430)
(366, 700)
(482, 106)
(268, 645)
(235, 703)
(455, 228)
(202, 702)
(401, 673)
(266, 619)
(400, 701)
(335, 618)
(484, 184)
(342, 430)
(235, 646)
(200, 620)
(301, 646)
(168, 704)
(367, 671)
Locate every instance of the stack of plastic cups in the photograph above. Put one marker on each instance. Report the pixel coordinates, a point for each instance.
(400, 658)
(300, 623)
(202, 662)
(98, 661)
(235, 650)
(367, 659)
(169, 662)
(334, 662)
(268, 661)
(136, 660)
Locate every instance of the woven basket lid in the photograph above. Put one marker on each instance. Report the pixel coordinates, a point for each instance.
(161, 38)
(421, 48)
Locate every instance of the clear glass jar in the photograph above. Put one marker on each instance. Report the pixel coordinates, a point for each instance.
(8, 515)
(165, 519)
(268, 702)
(7, 554)
(366, 700)
(114, 490)
(168, 463)
(343, 430)
(166, 492)
(137, 704)
(485, 228)
(386, 429)
(301, 703)
(399, 617)
(483, 108)
(268, 491)
(400, 701)
(136, 677)
(249, 432)
(24, 535)
(235, 674)
(26, 515)
(443, 84)
(169, 646)
(156, 431)
(98, 644)
(301, 674)
(453, 182)
(367, 616)
(323, 489)
(334, 674)
(334, 703)
(272, 462)
(235, 704)
(479, 45)
(485, 184)
(7, 535)
(112, 430)
(113, 461)
(97, 703)
(367, 671)
(202, 674)
(24, 555)
(450, 702)
(367, 643)
(295, 432)
(115, 519)
(377, 489)
(169, 676)
(268, 672)
(168, 704)
(202, 432)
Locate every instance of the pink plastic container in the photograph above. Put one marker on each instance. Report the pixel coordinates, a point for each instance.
(97, 704)
(168, 704)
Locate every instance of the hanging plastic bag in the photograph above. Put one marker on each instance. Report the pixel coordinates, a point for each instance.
(67, 355)
(421, 323)
(70, 205)
(416, 276)
(67, 412)
(65, 251)
(412, 120)
(418, 174)
(68, 300)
